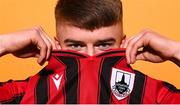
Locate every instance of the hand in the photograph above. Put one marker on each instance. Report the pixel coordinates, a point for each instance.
(28, 43)
(156, 48)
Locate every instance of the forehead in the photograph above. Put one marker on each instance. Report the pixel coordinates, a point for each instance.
(71, 32)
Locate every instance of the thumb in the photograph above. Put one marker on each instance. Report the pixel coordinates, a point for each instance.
(140, 56)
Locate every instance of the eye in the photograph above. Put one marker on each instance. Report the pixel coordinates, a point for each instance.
(76, 47)
(104, 46)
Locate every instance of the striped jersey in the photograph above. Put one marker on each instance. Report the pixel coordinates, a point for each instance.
(74, 78)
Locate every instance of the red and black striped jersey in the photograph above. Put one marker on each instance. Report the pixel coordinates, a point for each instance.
(105, 78)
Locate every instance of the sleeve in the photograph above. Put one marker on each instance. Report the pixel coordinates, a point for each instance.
(12, 91)
(168, 94)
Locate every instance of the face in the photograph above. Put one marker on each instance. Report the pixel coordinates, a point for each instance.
(89, 42)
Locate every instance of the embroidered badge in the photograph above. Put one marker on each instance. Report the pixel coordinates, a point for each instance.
(121, 83)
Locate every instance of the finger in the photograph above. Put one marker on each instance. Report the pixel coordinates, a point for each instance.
(140, 56)
(47, 41)
(41, 45)
(50, 40)
(125, 46)
(37, 55)
(54, 47)
(126, 41)
(43, 52)
(138, 44)
(130, 46)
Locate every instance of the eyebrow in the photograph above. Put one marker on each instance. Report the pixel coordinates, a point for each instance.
(106, 40)
(98, 41)
(72, 41)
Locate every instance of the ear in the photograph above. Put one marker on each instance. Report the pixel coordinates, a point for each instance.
(57, 44)
(123, 41)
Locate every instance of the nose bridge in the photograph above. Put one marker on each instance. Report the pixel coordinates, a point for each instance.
(90, 50)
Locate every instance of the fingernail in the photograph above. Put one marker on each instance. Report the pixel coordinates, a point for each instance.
(128, 61)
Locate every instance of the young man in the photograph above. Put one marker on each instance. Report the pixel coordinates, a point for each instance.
(90, 27)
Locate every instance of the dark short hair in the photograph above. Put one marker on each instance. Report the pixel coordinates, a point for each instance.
(89, 14)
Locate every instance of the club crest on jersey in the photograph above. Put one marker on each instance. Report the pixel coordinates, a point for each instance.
(121, 83)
